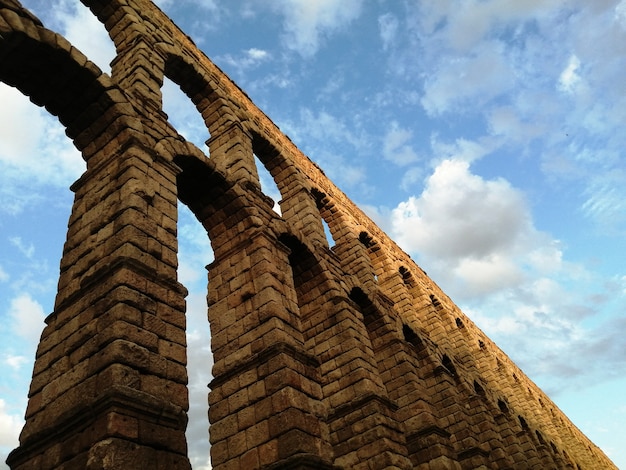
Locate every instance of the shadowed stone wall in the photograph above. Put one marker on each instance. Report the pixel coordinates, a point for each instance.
(349, 357)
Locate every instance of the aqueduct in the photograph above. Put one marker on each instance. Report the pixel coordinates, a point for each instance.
(349, 357)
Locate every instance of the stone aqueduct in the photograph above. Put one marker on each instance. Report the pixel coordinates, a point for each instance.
(349, 357)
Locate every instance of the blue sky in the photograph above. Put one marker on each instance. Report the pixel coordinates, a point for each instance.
(486, 137)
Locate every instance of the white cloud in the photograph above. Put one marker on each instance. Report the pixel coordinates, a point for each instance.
(10, 427)
(16, 362)
(620, 13)
(570, 78)
(508, 123)
(466, 24)
(20, 129)
(200, 362)
(183, 115)
(195, 250)
(307, 22)
(4, 276)
(477, 239)
(463, 149)
(488, 273)
(28, 318)
(492, 59)
(396, 145)
(474, 235)
(411, 177)
(207, 5)
(199, 368)
(333, 140)
(194, 254)
(459, 214)
(257, 54)
(564, 351)
(325, 127)
(34, 152)
(249, 58)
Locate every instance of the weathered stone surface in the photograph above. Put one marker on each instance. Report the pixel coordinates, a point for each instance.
(349, 357)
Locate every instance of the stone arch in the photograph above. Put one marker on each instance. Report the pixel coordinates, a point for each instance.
(331, 217)
(217, 203)
(254, 318)
(407, 277)
(313, 285)
(45, 67)
(298, 204)
(192, 81)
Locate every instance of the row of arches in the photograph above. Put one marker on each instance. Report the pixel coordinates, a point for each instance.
(326, 351)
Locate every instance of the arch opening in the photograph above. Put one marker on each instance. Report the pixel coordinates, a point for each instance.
(324, 206)
(308, 276)
(183, 115)
(194, 254)
(503, 406)
(268, 186)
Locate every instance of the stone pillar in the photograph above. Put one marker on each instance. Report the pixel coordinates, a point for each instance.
(355, 260)
(299, 209)
(428, 442)
(109, 381)
(265, 404)
(230, 145)
(362, 420)
(299, 204)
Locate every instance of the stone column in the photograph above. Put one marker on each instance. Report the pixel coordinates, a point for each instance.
(362, 420)
(300, 210)
(265, 403)
(230, 145)
(109, 381)
(399, 362)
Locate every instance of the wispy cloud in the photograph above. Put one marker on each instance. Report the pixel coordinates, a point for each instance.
(16, 362)
(388, 27)
(183, 115)
(564, 101)
(606, 200)
(248, 58)
(478, 77)
(336, 143)
(569, 78)
(206, 5)
(26, 250)
(397, 146)
(307, 23)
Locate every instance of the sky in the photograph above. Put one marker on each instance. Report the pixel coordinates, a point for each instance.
(484, 136)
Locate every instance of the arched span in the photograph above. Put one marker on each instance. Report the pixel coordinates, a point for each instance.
(45, 67)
